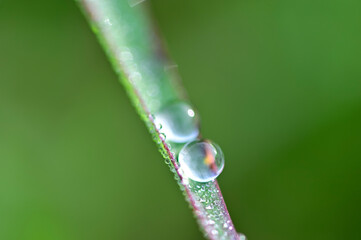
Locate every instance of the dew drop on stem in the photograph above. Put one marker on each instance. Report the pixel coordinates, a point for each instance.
(179, 122)
(201, 161)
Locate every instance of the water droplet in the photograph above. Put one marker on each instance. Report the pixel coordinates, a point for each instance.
(201, 161)
(167, 161)
(107, 21)
(179, 122)
(158, 126)
(242, 236)
(162, 136)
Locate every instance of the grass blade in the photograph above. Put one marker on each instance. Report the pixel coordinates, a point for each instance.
(126, 34)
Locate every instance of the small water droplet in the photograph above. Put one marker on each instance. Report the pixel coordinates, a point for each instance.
(179, 122)
(201, 161)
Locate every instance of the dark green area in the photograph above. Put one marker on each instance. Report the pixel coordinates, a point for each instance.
(277, 84)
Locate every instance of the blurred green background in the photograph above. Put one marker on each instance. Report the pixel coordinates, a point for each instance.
(277, 84)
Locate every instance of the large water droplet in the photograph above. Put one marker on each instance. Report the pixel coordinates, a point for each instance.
(201, 161)
(179, 122)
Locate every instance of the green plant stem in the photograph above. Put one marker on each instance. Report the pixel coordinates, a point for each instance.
(127, 36)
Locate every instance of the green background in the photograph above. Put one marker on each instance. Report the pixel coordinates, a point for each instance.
(278, 87)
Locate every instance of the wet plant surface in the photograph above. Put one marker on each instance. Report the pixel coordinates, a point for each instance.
(276, 85)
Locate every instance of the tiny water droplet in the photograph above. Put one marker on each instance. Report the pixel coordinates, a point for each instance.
(211, 222)
(162, 136)
(158, 126)
(108, 22)
(179, 122)
(209, 207)
(242, 236)
(201, 161)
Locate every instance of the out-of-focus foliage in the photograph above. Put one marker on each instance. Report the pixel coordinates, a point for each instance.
(277, 84)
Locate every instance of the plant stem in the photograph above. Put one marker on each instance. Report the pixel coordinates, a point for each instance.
(131, 44)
